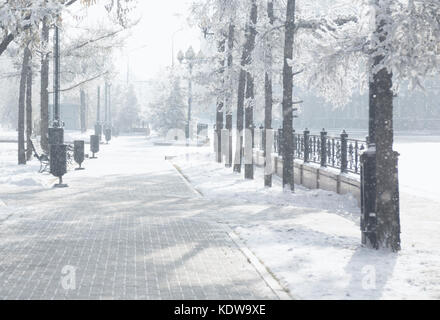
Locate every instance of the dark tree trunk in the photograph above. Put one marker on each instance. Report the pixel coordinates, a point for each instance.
(249, 125)
(29, 107)
(220, 101)
(287, 150)
(6, 41)
(381, 135)
(228, 96)
(240, 119)
(246, 60)
(21, 108)
(83, 111)
(268, 97)
(44, 93)
(98, 107)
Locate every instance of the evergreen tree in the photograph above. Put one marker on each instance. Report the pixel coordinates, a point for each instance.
(128, 117)
(169, 112)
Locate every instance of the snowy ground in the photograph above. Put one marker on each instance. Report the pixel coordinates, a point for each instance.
(69, 135)
(309, 240)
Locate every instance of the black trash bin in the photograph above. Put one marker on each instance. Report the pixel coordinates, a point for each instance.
(56, 136)
(108, 134)
(78, 153)
(98, 131)
(58, 162)
(94, 145)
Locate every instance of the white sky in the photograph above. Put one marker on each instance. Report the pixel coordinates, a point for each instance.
(149, 46)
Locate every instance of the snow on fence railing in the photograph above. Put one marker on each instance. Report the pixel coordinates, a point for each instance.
(335, 152)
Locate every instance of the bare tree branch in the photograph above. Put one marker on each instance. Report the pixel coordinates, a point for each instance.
(108, 35)
(83, 82)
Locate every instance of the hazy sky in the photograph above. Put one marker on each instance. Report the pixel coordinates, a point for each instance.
(149, 46)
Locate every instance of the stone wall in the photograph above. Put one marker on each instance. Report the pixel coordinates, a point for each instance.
(312, 176)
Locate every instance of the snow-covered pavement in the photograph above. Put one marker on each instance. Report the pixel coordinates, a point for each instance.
(134, 228)
(311, 240)
(127, 227)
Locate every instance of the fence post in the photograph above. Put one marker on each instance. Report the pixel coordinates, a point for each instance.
(306, 145)
(344, 151)
(323, 148)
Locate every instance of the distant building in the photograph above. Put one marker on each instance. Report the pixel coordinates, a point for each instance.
(70, 115)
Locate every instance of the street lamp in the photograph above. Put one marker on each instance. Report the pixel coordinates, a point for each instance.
(190, 59)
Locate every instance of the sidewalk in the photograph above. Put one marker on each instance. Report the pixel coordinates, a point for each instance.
(129, 227)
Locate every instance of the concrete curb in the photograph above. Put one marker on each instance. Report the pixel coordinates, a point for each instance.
(185, 178)
(268, 277)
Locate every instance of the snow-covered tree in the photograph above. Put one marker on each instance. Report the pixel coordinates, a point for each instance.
(127, 117)
(167, 112)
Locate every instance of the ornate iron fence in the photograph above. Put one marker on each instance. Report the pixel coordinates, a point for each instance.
(335, 152)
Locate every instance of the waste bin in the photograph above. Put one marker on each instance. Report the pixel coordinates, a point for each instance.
(78, 153)
(58, 162)
(98, 131)
(56, 136)
(94, 145)
(108, 134)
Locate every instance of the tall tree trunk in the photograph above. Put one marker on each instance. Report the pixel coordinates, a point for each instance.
(249, 125)
(44, 93)
(21, 108)
(268, 96)
(228, 93)
(381, 125)
(83, 111)
(288, 176)
(220, 100)
(29, 107)
(98, 107)
(246, 60)
(240, 119)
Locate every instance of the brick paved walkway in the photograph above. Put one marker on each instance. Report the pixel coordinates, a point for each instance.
(128, 227)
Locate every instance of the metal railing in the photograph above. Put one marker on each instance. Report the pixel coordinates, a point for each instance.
(336, 152)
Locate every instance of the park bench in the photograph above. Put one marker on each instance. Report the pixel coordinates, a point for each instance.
(44, 158)
(40, 155)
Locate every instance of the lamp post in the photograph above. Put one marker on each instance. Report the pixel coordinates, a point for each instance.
(190, 59)
(57, 148)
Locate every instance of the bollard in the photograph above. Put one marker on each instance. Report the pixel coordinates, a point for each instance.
(58, 163)
(78, 153)
(323, 148)
(94, 145)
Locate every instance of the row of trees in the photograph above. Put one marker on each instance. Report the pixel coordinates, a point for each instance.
(85, 55)
(335, 48)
